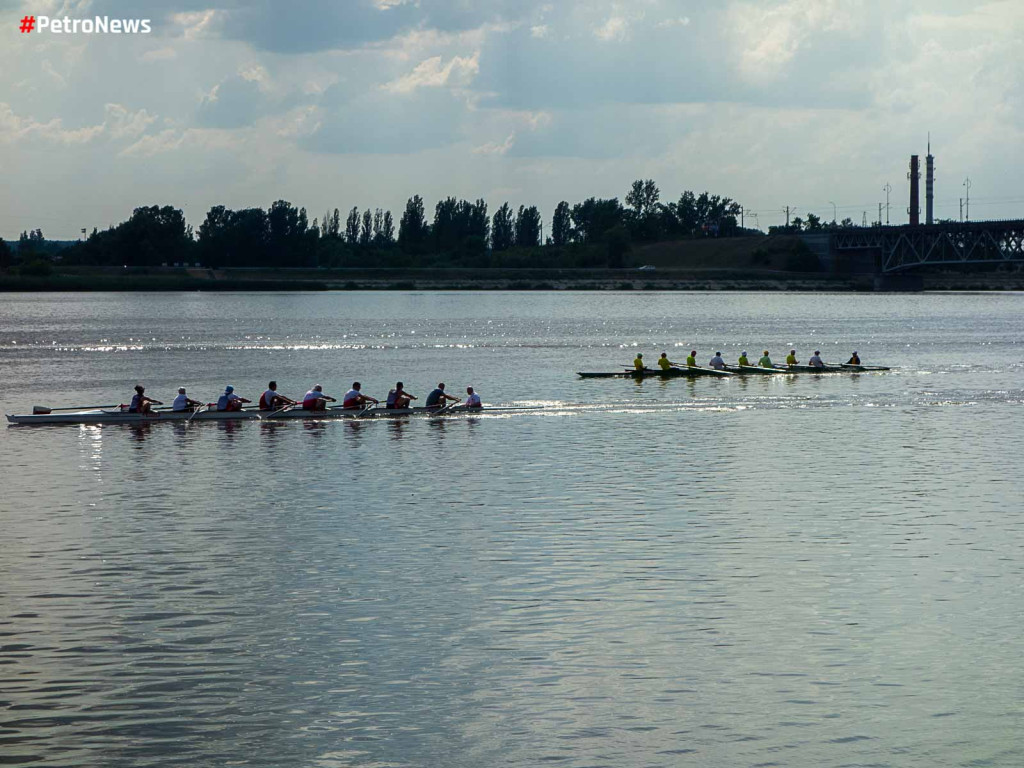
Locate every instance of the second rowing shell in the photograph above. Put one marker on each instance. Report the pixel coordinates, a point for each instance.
(652, 373)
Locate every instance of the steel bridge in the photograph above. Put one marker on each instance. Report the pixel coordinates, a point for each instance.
(904, 248)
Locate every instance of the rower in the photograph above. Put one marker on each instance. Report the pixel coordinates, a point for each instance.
(356, 399)
(743, 359)
(229, 401)
(272, 400)
(855, 360)
(791, 358)
(691, 361)
(398, 398)
(816, 361)
(316, 400)
(717, 362)
(473, 399)
(765, 362)
(184, 403)
(664, 363)
(638, 362)
(437, 397)
(140, 403)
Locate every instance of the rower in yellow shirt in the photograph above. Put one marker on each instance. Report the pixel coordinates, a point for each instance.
(791, 358)
(638, 362)
(743, 359)
(765, 362)
(664, 363)
(691, 361)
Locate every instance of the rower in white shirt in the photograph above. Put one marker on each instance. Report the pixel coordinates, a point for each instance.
(356, 399)
(816, 361)
(717, 362)
(472, 399)
(184, 403)
(272, 400)
(316, 400)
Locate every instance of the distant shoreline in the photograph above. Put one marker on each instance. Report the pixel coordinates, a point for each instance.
(94, 279)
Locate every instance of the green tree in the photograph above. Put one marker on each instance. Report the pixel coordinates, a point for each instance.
(352, 226)
(502, 229)
(413, 228)
(813, 223)
(6, 257)
(366, 230)
(527, 227)
(593, 218)
(561, 225)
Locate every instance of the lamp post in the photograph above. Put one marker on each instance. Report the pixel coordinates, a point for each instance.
(833, 211)
(967, 198)
(888, 189)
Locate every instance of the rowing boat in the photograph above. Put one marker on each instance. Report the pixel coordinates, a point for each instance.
(863, 368)
(107, 416)
(654, 373)
(752, 370)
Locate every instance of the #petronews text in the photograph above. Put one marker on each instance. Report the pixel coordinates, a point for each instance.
(95, 26)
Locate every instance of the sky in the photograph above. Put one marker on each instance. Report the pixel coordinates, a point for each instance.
(340, 103)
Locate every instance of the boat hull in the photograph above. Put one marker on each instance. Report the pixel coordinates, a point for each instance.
(118, 417)
(650, 373)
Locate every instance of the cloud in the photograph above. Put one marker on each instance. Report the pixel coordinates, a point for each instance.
(614, 28)
(119, 123)
(432, 72)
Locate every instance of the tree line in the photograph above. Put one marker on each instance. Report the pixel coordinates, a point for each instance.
(593, 232)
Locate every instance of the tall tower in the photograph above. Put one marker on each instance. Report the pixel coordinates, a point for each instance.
(929, 183)
(915, 193)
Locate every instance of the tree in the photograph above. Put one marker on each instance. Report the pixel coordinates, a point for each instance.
(813, 223)
(797, 224)
(502, 229)
(334, 227)
(366, 230)
(352, 227)
(644, 212)
(6, 257)
(387, 229)
(593, 218)
(528, 223)
(413, 228)
(561, 225)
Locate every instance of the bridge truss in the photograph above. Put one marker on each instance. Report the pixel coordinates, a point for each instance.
(903, 248)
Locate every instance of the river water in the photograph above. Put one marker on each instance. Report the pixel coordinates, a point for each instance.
(794, 571)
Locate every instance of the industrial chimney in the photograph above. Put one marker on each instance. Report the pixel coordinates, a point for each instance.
(929, 183)
(915, 193)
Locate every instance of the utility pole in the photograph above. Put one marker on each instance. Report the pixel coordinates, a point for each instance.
(879, 214)
(961, 209)
(864, 219)
(967, 204)
(888, 189)
(786, 209)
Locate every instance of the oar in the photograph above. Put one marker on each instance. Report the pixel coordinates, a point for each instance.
(279, 410)
(43, 409)
(370, 405)
(447, 407)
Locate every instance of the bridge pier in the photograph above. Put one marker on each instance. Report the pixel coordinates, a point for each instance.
(898, 282)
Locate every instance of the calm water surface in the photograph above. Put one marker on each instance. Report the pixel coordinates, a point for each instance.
(797, 571)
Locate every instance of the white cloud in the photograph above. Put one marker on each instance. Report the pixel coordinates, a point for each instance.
(615, 28)
(119, 123)
(539, 31)
(680, 21)
(494, 148)
(433, 73)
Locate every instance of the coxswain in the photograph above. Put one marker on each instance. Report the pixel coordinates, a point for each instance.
(184, 403)
(473, 399)
(437, 397)
(691, 360)
(743, 359)
(717, 362)
(855, 360)
(272, 400)
(229, 401)
(316, 400)
(356, 399)
(816, 361)
(765, 362)
(398, 398)
(791, 358)
(140, 403)
(638, 362)
(664, 363)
